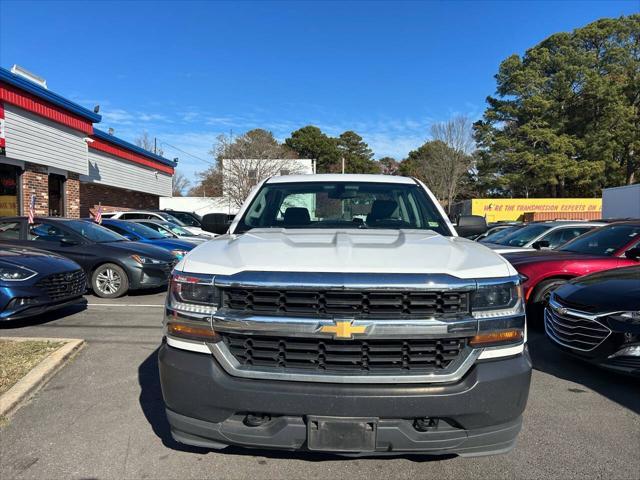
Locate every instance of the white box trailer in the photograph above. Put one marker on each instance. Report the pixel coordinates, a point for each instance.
(621, 202)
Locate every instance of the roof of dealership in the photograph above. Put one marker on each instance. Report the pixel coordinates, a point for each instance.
(31, 96)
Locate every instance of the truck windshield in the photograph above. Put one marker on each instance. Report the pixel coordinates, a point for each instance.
(342, 205)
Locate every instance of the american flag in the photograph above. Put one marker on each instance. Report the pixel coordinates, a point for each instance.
(98, 218)
(32, 208)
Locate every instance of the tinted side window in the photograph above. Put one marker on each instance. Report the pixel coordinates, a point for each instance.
(157, 228)
(9, 230)
(46, 232)
(561, 236)
(119, 230)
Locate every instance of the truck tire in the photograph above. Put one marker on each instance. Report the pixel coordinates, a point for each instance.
(109, 281)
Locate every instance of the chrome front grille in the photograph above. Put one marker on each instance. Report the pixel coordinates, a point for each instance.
(574, 329)
(321, 355)
(357, 304)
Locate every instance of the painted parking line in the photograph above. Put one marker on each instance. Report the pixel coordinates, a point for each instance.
(123, 305)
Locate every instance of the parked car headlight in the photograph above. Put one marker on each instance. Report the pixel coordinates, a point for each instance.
(142, 260)
(16, 274)
(496, 299)
(628, 317)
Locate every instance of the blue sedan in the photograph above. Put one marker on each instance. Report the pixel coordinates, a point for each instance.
(34, 281)
(140, 233)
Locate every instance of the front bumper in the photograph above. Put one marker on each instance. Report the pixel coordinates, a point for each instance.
(480, 414)
(606, 353)
(149, 276)
(37, 304)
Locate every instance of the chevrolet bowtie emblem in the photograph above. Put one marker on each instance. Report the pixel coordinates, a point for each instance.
(343, 329)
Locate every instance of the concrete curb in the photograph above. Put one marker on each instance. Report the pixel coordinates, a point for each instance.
(28, 385)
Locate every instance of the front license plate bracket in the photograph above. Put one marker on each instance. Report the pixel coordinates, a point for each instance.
(342, 434)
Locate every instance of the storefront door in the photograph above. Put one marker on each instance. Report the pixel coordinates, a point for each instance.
(56, 195)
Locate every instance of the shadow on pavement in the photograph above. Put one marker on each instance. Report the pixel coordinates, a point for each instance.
(618, 388)
(153, 409)
(153, 405)
(45, 317)
(147, 291)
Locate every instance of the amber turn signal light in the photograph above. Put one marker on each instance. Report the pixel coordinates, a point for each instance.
(507, 336)
(191, 332)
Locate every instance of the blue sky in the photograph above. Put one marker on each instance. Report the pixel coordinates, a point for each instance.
(187, 71)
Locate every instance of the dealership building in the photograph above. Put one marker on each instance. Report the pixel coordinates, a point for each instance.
(51, 151)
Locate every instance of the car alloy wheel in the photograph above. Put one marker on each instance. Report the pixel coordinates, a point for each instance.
(109, 281)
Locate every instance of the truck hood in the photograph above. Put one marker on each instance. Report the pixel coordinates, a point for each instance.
(372, 251)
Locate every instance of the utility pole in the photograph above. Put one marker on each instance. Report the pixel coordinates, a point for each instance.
(155, 146)
(343, 165)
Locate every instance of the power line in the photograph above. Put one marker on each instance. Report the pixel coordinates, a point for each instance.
(187, 153)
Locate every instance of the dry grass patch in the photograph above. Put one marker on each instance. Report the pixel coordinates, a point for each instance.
(17, 358)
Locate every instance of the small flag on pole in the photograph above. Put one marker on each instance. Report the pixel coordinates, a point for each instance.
(32, 208)
(98, 218)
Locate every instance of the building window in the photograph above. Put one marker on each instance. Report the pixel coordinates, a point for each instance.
(9, 194)
(284, 171)
(56, 195)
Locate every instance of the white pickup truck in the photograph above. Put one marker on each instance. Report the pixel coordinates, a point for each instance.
(343, 313)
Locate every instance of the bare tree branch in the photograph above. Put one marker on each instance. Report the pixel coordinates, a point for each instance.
(240, 175)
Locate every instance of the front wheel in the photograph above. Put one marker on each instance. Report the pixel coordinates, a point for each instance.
(540, 298)
(109, 281)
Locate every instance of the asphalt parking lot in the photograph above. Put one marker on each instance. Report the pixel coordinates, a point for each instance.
(102, 417)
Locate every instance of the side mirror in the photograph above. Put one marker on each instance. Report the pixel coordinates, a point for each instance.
(68, 242)
(470, 225)
(633, 253)
(540, 244)
(215, 223)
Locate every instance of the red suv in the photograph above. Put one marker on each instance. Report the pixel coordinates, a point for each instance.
(612, 246)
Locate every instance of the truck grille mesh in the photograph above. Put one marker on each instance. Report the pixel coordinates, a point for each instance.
(344, 356)
(343, 302)
(64, 285)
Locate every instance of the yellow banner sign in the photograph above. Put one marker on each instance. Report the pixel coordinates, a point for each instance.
(506, 209)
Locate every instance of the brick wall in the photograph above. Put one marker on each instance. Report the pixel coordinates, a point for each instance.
(72, 194)
(35, 180)
(113, 199)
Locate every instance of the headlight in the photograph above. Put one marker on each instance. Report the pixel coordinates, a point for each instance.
(179, 254)
(146, 260)
(16, 274)
(628, 317)
(496, 299)
(193, 294)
